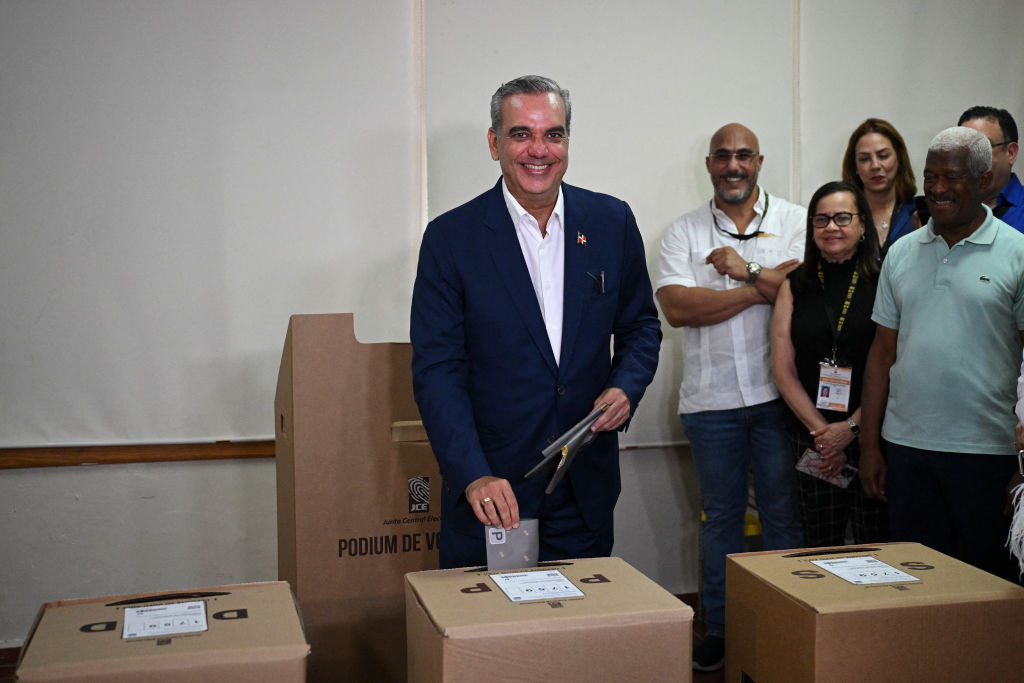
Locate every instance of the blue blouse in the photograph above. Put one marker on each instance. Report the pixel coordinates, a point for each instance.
(902, 224)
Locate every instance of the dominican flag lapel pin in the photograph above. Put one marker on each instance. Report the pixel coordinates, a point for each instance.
(581, 239)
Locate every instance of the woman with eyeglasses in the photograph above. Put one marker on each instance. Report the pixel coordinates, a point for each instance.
(877, 162)
(821, 332)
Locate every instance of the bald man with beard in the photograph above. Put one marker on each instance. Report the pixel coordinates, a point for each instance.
(720, 268)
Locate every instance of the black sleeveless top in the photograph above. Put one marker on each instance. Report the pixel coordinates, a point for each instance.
(812, 333)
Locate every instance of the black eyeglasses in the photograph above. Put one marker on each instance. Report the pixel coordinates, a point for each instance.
(841, 219)
(722, 156)
(1000, 144)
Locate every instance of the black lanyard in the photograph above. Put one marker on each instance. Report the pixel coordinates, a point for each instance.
(745, 236)
(837, 327)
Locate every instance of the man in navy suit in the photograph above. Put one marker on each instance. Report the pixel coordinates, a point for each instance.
(519, 295)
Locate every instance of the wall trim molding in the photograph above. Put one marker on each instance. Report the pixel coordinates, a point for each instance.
(63, 456)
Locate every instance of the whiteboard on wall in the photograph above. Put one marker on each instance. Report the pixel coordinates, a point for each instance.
(176, 180)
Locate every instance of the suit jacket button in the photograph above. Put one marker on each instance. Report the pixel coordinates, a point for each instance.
(560, 389)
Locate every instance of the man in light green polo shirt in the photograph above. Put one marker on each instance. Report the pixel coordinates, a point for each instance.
(942, 369)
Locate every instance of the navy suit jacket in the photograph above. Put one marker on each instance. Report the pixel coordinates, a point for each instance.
(485, 378)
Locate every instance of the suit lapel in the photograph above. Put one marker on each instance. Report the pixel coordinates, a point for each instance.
(507, 257)
(577, 261)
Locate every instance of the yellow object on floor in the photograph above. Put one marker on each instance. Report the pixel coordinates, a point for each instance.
(751, 524)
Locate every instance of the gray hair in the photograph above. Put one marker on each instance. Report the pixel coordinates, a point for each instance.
(961, 138)
(528, 85)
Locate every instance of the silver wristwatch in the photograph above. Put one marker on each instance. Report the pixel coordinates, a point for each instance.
(753, 269)
(854, 427)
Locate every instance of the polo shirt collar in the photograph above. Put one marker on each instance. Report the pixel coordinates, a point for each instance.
(985, 234)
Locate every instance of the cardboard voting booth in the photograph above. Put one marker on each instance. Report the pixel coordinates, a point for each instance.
(245, 633)
(581, 620)
(891, 612)
(358, 494)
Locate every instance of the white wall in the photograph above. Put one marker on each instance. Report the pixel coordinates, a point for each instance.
(918, 64)
(78, 532)
(178, 177)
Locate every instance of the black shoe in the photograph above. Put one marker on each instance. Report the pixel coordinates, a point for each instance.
(710, 654)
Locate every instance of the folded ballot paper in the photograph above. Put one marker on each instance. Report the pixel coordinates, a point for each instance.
(809, 464)
(513, 548)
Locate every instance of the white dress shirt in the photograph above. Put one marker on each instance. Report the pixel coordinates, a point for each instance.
(545, 259)
(728, 365)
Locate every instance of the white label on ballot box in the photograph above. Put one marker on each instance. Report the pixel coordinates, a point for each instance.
(540, 585)
(164, 620)
(864, 570)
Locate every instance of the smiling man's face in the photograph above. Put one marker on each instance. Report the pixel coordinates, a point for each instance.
(733, 163)
(532, 148)
(953, 195)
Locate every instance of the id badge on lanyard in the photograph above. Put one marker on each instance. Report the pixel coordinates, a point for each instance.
(833, 387)
(834, 380)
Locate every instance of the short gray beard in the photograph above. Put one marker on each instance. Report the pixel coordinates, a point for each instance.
(737, 199)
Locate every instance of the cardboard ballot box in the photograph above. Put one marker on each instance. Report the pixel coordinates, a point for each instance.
(358, 494)
(595, 619)
(249, 632)
(891, 612)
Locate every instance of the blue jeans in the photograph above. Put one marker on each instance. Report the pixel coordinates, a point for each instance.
(725, 445)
